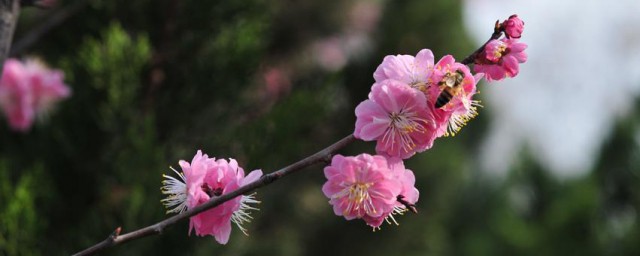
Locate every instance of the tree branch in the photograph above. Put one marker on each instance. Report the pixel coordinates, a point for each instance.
(9, 11)
(497, 32)
(54, 20)
(323, 155)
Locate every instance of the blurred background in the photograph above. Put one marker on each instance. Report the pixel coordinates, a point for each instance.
(550, 167)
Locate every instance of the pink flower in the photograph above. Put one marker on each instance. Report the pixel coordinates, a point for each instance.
(513, 26)
(361, 187)
(451, 96)
(500, 59)
(205, 178)
(413, 71)
(16, 96)
(408, 194)
(29, 89)
(47, 85)
(397, 117)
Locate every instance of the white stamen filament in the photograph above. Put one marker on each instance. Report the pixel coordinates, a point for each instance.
(242, 215)
(457, 121)
(400, 128)
(177, 191)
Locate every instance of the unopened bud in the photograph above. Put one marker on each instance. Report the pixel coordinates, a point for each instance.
(513, 26)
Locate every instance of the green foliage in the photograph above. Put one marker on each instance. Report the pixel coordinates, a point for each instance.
(21, 216)
(114, 68)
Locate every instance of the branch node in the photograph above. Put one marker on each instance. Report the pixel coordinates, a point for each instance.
(158, 229)
(327, 159)
(115, 234)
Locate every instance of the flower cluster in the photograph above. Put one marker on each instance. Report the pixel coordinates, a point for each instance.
(205, 178)
(29, 89)
(501, 58)
(414, 101)
(372, 188)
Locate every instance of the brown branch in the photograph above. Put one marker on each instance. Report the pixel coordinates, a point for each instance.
(156, 229)
(54, 20)
(497, 32)
(9, 11)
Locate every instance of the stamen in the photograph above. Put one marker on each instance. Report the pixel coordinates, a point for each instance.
(403, 124)
(457, 121)
(242, 215)
(177, 192)
(358, 198)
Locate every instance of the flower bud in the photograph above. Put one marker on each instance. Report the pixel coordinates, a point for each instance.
(513, 26)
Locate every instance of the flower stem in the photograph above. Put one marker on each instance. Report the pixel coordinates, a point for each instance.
(497, 32)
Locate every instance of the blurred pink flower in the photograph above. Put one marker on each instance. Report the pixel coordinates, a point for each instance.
(364, 16)
(277, 81)
(203, 179)
(16, 96)
(451, 96)
(397, 117)
(500, 59)
(28, 89)
(361, 187)
(513, 26)
(330, 54)
(47, 85)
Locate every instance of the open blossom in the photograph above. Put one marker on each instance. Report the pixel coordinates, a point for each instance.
(28, 89)
(413, 71)
(451, 96)
(513, 26)
(409, 193)
(396, 116)
(501, 58)
(205, 178)
(367, 187)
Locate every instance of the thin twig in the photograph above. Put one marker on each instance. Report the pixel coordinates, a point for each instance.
(497, 32)
(9, 11)
(157, 228)
(54, 20)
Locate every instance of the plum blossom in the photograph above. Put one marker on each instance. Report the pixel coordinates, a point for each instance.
(501, 58)
(413, 71)
(396, 116)
(29, 89)
(367, 187)
(408, 194)
(513, 27)
(451, 97)
(421, 74)
(205, 178)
